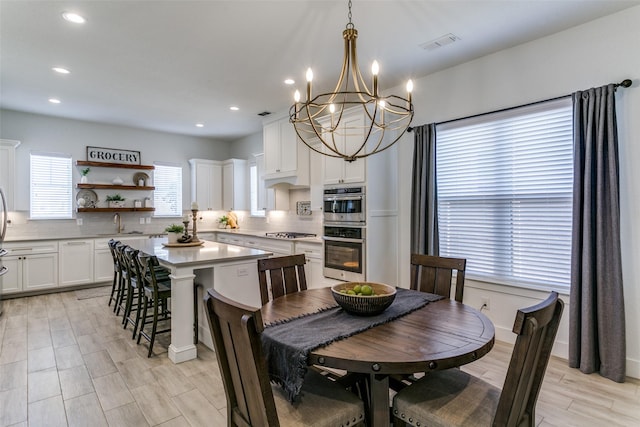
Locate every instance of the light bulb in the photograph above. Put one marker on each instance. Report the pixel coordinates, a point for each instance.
(296, 96)
(375, 68)
(309, 75)
(332, 108)
(382, 104)
(409, 86)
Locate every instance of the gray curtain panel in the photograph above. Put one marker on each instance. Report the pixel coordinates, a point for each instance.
(596, 322)
(424, 214)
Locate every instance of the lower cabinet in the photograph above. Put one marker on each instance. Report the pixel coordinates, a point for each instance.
(32, 266)
(313, 266)
(102, 261)
(76, 262)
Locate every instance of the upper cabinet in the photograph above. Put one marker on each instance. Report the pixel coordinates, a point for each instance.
(286, 160)
(234, 185)
(206, 184)
(350, 135)
(7, 169)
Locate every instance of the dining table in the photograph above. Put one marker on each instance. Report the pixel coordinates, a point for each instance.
(440, 335)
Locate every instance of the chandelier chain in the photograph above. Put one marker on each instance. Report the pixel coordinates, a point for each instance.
(350, 24)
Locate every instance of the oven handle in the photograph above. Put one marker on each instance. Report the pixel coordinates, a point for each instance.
(343, 239)
(340, 198)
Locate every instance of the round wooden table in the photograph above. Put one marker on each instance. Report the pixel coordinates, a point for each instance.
(441, 335)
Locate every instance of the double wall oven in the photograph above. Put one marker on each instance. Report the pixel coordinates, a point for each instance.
(344, 233)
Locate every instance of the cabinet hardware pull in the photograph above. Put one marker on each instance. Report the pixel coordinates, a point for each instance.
(22, 249)
(76, 243)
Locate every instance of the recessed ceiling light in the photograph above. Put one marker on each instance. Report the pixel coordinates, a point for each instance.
(289, 82)
(73, 17)
(61, 70)
(199, 125)
(54, 101)
(234, 108)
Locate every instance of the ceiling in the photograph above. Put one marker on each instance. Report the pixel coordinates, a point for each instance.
(167, 65)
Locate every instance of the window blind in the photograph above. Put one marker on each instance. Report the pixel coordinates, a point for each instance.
(51, 186)
(504, 183)
(167, 196)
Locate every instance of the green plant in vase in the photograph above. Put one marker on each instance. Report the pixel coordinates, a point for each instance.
(115, 200)
(84, 172)
(174, 231)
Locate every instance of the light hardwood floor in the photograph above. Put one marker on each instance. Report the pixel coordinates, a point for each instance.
(68, 362)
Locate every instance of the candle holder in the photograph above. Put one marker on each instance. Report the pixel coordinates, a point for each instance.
(186, 227)
(194, 214)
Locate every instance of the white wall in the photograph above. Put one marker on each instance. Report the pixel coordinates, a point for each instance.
(590, 55)
(51, 134)
(46, 133)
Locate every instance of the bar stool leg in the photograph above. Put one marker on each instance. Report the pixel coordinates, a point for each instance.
(196, 286)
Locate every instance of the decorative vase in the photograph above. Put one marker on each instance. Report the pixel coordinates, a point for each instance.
(117, 181)
(84, 179)
(173, 237)
(116, 204)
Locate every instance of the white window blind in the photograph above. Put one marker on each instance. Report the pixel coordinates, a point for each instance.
(51, 186)
(504, 185)
(167, 197)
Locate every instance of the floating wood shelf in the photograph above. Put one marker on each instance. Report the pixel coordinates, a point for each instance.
(113, 165)
(114, 187)
(116, 209)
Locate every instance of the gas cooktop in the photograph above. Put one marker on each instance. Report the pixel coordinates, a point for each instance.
(288, 235)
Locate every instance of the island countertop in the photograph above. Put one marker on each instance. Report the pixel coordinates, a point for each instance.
(208, 253)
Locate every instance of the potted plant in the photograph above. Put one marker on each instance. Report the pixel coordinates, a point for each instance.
(84, 172)
(174, 231)
(115, 201)
(223, 222)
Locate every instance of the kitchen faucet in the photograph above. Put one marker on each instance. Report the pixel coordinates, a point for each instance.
(118, 221)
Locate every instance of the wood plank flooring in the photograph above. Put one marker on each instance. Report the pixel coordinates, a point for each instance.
(68, 362)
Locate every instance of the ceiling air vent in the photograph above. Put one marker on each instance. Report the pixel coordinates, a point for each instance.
(440, 42)
(264, 113)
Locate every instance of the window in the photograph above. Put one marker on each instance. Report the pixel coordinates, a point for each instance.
(504, 183)
(256, 185)
(51, 186)
(167, 197)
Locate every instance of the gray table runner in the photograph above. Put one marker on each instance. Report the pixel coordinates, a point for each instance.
(287, 344)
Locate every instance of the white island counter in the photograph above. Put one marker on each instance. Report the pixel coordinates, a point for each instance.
(231, 270)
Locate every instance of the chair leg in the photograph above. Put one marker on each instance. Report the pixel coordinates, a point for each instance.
(154, 327)
(138, 311)
(144, 318)
(127, 306)
(113, 288)
(196, 286)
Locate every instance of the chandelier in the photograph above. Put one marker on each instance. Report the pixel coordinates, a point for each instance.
(323, 117)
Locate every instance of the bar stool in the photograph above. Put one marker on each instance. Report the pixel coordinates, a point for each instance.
(115, 286)
(155, 295)
(121, 297)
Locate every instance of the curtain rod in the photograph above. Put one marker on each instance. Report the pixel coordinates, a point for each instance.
(624, 83)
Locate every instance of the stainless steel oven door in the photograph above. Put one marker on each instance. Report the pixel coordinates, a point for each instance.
(344, 208)
(344, 259)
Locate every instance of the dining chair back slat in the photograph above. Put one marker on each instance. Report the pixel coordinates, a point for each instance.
(286, 275)
(434, 274)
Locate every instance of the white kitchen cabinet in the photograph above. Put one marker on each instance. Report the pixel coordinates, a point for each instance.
(206, 184)
(7, 170)
(313, 266)
(234, 185)
(32, 266)
(275, 198)
(286, 160)
(349, 138)
(102, 259)
(76, 262)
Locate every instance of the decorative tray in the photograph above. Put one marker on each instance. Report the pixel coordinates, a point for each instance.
(182, 245)
(90, 198)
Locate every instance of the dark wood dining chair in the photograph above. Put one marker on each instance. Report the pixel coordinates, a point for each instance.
(285, 275)
(456, 398)
(251, 399)
(433, 274)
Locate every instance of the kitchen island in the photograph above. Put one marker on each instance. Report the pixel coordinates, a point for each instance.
(229, 269)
